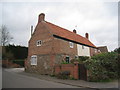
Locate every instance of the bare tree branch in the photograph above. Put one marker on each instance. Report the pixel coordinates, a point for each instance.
(5, 36)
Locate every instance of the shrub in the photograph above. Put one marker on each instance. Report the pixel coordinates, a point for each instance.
(65, 62)
(83, 58)
(103, 66)
(74, 60)
(63, 75)
(80, 59)
(19, 62)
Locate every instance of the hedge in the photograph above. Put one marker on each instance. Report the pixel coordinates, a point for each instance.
(103, 66)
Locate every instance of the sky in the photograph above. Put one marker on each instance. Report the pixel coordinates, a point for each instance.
(99, 19)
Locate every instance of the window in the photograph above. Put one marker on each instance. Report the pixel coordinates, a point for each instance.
(82, 47)
(39, 43)
(99, 51)
(71, 44)
(34, 60)
(67, 59)
(95, 50)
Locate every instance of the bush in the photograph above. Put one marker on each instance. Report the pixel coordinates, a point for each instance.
(80, 59)
(83, 58)
(19, 62)
(64, 62)
(103, 66)
(63, 75)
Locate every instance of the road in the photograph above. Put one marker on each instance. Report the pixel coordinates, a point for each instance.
(15, 80)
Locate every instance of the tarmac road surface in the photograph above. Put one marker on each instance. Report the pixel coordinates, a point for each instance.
(14, 80)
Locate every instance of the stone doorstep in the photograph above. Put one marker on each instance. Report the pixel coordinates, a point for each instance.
(78, 83)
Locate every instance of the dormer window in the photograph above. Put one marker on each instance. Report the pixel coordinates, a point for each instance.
(39, 43)
(71, 44)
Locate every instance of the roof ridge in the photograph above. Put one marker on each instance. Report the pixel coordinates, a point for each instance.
(61, 27)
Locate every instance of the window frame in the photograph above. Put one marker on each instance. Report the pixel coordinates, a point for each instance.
(71, 44)
(39, 43)
(33, 60)
(67, 61)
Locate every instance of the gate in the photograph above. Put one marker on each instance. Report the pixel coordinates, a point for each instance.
(82, 72)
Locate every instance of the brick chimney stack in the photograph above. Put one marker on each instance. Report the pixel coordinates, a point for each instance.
(87, 35)
(74, 31)
(41, 17)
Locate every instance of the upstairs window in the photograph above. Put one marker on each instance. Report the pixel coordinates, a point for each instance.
(39, 43)
(71, 44)
(34, 60)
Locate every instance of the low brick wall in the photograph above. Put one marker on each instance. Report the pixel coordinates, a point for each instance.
(73, 68)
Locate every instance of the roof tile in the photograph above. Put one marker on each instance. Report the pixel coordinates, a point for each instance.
(64, 33)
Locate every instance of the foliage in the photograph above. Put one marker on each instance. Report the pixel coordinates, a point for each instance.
(19, 62)
(103, 66)
(64, 75)
(117, 50)
(64, 62)
(6, 54)
(72, 78)
(80, 59)
(18, 52)
(52, 75)
(83, 58)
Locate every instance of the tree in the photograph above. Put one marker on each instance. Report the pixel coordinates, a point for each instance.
(5, 36)
(117, 50)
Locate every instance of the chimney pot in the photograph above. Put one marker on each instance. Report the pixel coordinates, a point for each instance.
(87, 35)
(41, 17)
(74, 31)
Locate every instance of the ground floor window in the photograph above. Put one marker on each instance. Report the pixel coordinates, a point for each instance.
(34, 60)
(67, 59)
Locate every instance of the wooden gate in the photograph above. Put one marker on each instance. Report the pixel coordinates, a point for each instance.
(82, 72)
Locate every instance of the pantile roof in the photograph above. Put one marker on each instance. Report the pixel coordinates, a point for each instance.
(64, 33)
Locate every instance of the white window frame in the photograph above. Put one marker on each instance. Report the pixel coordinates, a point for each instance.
(39, 43)
(33, 60)
(71, 44)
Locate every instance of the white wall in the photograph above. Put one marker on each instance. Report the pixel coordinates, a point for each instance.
(83, 52)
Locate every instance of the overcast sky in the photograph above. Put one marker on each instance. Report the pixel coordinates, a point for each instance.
(100, 20)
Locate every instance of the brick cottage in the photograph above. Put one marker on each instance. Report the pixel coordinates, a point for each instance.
(50, 45)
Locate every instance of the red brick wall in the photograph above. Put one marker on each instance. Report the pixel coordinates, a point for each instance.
(92, 52)
(41, 33)
(67, 67)
(51, 47)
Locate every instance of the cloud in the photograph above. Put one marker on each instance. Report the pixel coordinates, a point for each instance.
(98, 19)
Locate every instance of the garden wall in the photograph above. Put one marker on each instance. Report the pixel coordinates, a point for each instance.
(73, 68)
